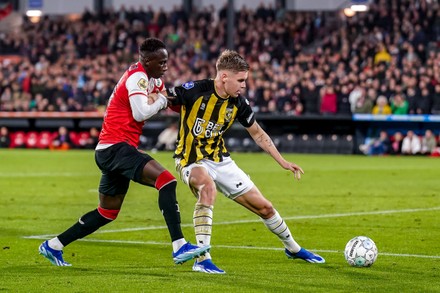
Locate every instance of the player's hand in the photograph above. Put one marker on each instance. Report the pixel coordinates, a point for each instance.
(297, 170)
(170, 99)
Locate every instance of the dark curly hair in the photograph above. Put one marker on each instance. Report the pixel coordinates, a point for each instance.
(150, 46)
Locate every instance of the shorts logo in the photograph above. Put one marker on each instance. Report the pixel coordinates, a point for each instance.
(188, 85)
(142, 83)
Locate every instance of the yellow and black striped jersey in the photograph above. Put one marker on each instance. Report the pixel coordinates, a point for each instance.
(204, 117)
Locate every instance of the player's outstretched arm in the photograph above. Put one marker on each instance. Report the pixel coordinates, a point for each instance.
(263, 140)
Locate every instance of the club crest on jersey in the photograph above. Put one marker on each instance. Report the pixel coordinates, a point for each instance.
(142, 83)
(228, 114)
(188, 85)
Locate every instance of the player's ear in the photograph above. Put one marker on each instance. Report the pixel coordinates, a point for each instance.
(144, 59)
(224, 76)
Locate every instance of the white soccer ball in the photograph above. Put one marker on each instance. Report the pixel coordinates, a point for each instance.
(360, 251)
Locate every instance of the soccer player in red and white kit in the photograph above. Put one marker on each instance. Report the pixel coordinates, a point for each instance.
(120, 161)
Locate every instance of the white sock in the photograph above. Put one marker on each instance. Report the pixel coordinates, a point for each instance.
(55, 243)
(177, 244)
(277, 225)
(202, 219)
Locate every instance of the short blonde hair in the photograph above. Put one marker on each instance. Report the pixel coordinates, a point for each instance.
(231, 60)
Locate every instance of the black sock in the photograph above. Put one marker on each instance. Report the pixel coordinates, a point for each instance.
(170, 210)
(86, 225)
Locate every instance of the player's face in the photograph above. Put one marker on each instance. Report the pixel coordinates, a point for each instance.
(156, 65)
(235, 82)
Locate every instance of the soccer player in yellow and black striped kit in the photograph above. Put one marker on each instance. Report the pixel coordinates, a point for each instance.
(207, 109)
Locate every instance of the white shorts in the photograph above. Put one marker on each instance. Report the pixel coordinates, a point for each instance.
(228, 177)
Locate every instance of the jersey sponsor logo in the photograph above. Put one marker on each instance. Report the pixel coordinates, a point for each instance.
(210, 130)
(142, 83)
(188, 85)
(198, 127)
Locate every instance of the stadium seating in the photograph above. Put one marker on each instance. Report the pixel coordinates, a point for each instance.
(31, 139)
(18, 139)
(44, 139)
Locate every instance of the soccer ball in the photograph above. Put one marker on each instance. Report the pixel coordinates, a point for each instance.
(360, 251)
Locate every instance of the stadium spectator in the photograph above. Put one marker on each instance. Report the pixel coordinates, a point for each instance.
(167, 138)
(377, 146)
(120, 161)
(424, 101)
(298, 111)
(429, 142)
(412, 102)
(382, 54)
(62, 140)
(399, 106)
(381, 107)
(436, 100)
(396, 144)
(5, 140)
(92, 140)
(343, 101)
(329, 100)
(363, 105)
(204, 163)
(310, 98)
(411, 144)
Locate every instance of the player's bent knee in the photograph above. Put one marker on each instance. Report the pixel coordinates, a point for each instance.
(266, 211)
(207, 192)
(108, 214)
(163, 179)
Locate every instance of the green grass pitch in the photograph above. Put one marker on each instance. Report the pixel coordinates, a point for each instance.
(393, 200)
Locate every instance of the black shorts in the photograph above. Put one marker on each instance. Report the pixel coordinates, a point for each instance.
(119, 164)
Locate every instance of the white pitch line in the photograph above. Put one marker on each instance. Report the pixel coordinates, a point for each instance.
(386, 212)
(241, 247)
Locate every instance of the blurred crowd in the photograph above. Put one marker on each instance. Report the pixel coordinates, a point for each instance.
(384, 61)
(399, 143)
